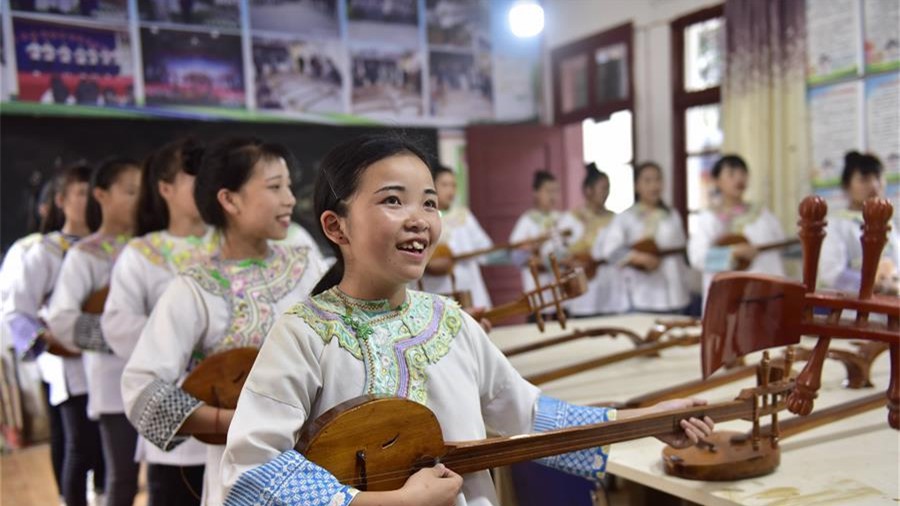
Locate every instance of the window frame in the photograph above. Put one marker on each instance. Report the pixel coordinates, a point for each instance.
(683, 100)
(587, 47)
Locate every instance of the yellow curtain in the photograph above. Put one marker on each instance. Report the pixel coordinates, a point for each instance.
(764, 116)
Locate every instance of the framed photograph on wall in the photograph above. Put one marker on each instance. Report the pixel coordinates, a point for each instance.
(192, 68)
(70, 64)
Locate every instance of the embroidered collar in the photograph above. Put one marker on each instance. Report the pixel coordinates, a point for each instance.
(395, 344)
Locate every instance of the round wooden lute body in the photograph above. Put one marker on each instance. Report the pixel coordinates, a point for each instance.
(218, 381)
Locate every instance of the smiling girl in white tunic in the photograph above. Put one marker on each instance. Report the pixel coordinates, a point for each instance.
(227, 301)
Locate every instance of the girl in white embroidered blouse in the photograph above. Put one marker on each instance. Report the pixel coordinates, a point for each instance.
(364, 332)
(228, 300)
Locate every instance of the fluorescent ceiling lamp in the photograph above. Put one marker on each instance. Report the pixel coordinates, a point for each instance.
(526, 18)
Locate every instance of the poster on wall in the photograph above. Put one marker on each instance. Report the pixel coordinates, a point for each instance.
(386, 82)
(396, 21)
(312, 18)
(67, 64)
(461, 24)
(192, 68)
(882, 33)
(833, 39)
(106, 10)
(883, 121)
(212, 13)
(298, 76)
(835, 119)
(460, 85)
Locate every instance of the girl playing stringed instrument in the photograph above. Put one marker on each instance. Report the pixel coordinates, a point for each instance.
(655, 276)
(226, 301)
(364, 332)
(732, 216)
(74, 318)
(171, 236)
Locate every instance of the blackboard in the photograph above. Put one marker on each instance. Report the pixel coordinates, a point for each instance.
(32, 147)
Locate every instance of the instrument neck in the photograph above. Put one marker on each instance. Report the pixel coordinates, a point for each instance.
(465, 458)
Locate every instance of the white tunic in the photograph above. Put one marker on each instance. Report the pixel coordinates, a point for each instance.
(757, 224)
(605, 289)
(469, 384)
(664, 289)
(841, 258)
(332, 348)
(211, 307)
(143, 271)
(85, 270)
(534, 224)
(27, 298)
(463, 234)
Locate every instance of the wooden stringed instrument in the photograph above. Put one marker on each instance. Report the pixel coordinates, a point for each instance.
(649, 246)
(375, 443)
(551, 295)
(751, 312)
(443, 259)
(218, 380)
(741, 264)
(729, 455)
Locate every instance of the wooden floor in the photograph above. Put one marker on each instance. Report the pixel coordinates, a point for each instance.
(26, 479)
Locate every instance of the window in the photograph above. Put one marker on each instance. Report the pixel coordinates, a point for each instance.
(592, 77)
(698, 56)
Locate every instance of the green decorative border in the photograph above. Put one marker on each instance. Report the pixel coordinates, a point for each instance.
(183, 112)
(886, 66)
(834, 76)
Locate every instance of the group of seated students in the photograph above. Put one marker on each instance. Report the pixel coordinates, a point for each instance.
(198, 251)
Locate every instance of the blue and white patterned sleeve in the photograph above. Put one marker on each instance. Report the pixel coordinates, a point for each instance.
(289, 480)
(555, 414)
(88, 334)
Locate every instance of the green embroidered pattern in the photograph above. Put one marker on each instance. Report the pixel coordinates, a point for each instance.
(251, 290)
(396, 345)
(103, 246)
(175, 254)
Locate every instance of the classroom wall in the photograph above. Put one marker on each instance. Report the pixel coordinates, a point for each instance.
(570, 20)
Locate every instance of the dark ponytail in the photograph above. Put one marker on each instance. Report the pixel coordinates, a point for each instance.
(338, 179)
(103, 177)
(164, 164)
(77, 173)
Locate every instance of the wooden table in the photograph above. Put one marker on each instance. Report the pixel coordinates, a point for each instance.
(851, 462)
